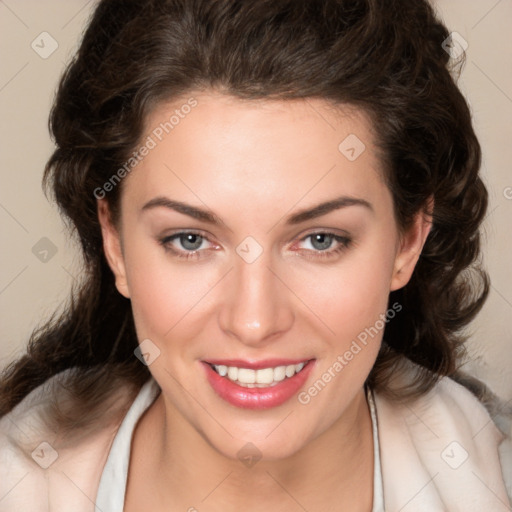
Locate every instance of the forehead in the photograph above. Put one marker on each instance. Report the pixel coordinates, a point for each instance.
(211, 146)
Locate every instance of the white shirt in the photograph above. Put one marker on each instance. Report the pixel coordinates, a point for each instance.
(112, 488)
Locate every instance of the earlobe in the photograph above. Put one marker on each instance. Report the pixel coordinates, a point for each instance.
(112, 247)
(411, 245)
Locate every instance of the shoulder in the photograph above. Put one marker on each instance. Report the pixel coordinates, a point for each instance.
(445, 444)
(37, 457)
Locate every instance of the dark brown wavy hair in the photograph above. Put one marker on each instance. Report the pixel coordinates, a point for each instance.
(385, 58)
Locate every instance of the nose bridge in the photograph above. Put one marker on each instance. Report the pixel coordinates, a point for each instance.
(256, 307)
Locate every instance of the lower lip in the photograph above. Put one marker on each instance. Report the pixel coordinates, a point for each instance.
(257, 398)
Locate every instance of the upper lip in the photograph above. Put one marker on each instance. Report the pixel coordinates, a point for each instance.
(256, 365)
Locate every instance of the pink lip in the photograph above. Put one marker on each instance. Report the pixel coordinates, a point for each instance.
(257, 398)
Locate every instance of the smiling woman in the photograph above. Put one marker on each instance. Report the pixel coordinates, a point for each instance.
(278, 204)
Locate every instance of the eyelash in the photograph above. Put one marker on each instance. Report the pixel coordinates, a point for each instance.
(343, 241)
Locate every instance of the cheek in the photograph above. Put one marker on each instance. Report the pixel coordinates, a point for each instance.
(349, 297)
(160, 293)
(352, 302)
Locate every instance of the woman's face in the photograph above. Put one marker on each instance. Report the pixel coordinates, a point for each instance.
(258, 236)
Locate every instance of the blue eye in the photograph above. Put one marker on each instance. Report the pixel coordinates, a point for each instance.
(189, 241)
(322, 241)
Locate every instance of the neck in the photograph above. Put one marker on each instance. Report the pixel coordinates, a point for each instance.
(335, 467)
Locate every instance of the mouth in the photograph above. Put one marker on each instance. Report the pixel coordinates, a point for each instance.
(257, 385)
(258, 378)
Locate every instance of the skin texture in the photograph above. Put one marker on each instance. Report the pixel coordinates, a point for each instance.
(253, 164)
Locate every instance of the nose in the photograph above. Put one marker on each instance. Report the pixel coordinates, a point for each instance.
(257, 306)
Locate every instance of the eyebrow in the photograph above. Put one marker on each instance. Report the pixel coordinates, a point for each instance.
(301, 216)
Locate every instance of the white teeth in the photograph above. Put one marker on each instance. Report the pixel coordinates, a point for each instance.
(264, 377)
(232, 373)
(246, 376)
(280, 373)
(290, 370)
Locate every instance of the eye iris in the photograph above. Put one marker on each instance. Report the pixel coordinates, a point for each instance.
(190, 241)
(321, 241)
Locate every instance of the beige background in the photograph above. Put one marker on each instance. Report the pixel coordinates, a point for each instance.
(31, 289)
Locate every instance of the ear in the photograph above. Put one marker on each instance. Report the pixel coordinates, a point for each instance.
(411, 245)
(113, 247)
